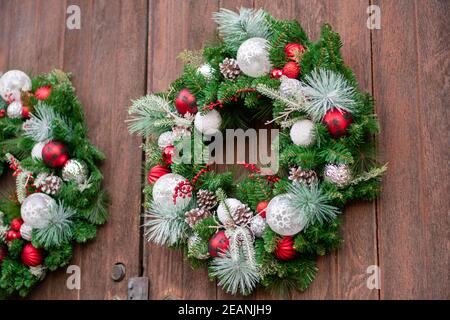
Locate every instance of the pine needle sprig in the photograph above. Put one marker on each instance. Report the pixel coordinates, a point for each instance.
(235, 28)
(313, 203)
(326, 90)
(39, 127)
(165, 226)
(59, 228)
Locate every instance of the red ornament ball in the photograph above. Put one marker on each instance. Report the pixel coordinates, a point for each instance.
(186, 102)
(294, 51)
(12, 235)
(55, 154)
(156, 172)
(31, 256)
(276, 73)
(167, 155)
(337, 122)
(261, 208)
(16, 224)
(43, 93)
(2, 113)
(25, 112)
(3, 253)
(285, 249)
(291, 70)
(218, 244)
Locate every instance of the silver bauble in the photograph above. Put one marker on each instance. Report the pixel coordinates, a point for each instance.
(206, 70)
(226, 209)
(14, 110)
(26, 231)
(208, 123)
(35, 210)
(76, 171)
(339, 174)
(164, 190)
(302, 132)
(282, 216)
(257, 225)
(12, 82)
(36, 152)
(290, 88)
(253, 57)
(166, 139)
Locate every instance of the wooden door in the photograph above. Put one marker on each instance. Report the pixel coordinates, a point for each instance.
(127, 48)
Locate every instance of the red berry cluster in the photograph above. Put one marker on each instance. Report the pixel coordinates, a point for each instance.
(183, 189)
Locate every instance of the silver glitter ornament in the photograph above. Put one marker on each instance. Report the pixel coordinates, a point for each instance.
(257, 225)
(14, 110)
(253, 57)
(283, 217)
(166, 139)
(164, 190)
(35, 210)
(12, 83)
(339, 174)
(290, 88)
(26, 231)
(75, 171)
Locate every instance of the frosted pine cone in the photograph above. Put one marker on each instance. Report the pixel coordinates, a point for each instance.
(196, 215)
(206, 199)
(338, 174)
(51, 185)
(230, 68)
(306, 176)
(242, 214)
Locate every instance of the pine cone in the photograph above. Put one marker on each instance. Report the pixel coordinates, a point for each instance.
(230, 68)
(206, 199)
(242, 214)
(299, 175)
(51, 185)
(196, 215)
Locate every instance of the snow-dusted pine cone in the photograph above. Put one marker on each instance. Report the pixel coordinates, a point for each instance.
(242, 214)
(299, 175)
(338, 174)
(230, 68)
(51, 185)
(196, 215)
(206, 199)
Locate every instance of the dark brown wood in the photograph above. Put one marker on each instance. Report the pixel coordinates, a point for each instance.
(411, 82)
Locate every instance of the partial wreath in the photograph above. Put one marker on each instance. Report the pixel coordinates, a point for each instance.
(57, 200)
(262, 229)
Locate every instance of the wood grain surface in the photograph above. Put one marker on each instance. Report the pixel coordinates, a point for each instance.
(127, 48)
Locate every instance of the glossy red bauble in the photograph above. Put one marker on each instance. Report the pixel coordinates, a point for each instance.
(25, 112)
(2, 113)
(16, 223)
(186, 102)
(3, 253)
(276, 73)
(43, 93)
(291, 70)
(12, 235)
(337, 122)
(285, 249)
(31, 256)
(218, 244)
(55, 154)
(156, 172)
(167, 154)
(294, 51)
(261, 208)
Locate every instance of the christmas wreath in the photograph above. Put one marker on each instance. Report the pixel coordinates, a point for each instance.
(262, 228)
(57, 198)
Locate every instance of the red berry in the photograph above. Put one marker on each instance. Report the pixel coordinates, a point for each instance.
(25, 112)
(12, 235)
(16, 224)
(291, 70)
(276, 73)
(43, 92)
(2, 113)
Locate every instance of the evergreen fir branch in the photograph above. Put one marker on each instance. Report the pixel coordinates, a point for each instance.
(312, 203)
(326, 90)
(374, 173)
(98, 213)
(164, 226)
(235, 28)
(59, 228)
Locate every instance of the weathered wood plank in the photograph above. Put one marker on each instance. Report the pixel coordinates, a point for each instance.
(411, 84)
(185, 25)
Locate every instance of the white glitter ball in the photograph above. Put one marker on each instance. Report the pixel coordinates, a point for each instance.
(282, 216)
(253, 57)
(258, 224)
(302, 132)
(12, 82)
(209, 123)
(166, 139)
(36, 152)
(35, 210)
(206, 70)
(164, 189)
(14, 110)
(25, 232)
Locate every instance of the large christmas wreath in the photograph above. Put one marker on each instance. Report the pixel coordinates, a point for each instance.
(265, 229)
(57, 199)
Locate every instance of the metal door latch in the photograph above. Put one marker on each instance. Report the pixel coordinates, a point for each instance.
(138, 288)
